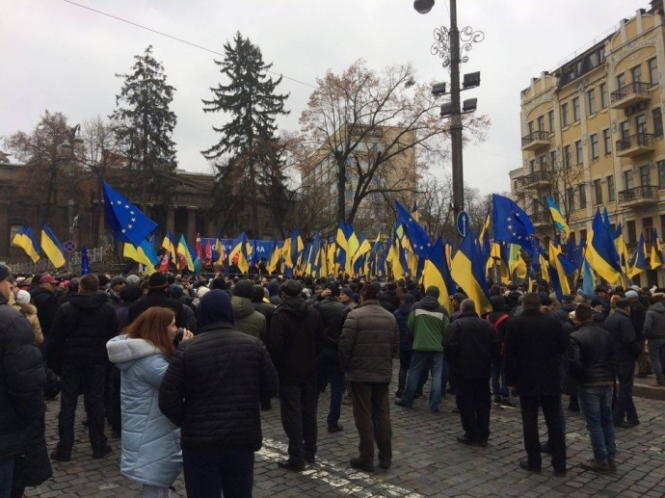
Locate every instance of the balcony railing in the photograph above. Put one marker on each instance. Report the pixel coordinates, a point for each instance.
(535, 178)
(634, 145)
(635, 89)
(639, 195)
(541, 218)
(535, 140)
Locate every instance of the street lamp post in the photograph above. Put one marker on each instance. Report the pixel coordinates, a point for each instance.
(447, 47)
(72, 140)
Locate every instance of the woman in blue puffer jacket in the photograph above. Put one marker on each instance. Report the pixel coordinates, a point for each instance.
(151, 451)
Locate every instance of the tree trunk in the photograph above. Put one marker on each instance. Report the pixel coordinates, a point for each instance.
(341, 191)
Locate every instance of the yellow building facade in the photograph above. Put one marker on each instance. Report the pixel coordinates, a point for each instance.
(592, 136)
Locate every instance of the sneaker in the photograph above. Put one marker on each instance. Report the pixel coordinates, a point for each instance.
(291, 465)
(61, 455)
(465, 440)
(595, 466)
(524, 464)
(399, 402)
(102, 452)
(357, 464)
(335, 428)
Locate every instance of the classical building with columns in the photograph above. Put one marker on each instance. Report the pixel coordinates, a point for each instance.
(178, 201)
(592, 135)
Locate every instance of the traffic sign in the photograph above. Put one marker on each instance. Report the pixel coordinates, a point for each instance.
(69, 246)
(463, 221)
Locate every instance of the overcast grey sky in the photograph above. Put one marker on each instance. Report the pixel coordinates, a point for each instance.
(60, 57)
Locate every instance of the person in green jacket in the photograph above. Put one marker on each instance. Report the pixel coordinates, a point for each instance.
(247, 319)
(428, 323)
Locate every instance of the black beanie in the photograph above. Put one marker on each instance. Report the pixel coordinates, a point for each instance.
(4, 272)
(244, 288)
(214, 306)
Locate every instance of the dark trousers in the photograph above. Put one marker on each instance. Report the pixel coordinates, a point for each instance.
(328, 367)
(624, 406)
(211, 471)
(404, 364)
(371, 411)
(89, 379)
(552, 411)
(473, 402)
(298, 411)
(112, 399)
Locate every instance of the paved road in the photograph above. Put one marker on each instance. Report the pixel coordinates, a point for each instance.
(427, 461)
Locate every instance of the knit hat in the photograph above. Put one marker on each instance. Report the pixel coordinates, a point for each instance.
(117, 280)
(334, 289)
(348, 291)
(4, 272)
(130, 293)
(134, 280)
(176, 291)
(23, 297)
(214, 307)
(244, 288)
(631, 294)
(157, 281)
(292, 288)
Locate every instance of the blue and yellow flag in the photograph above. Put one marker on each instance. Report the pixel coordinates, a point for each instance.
(601, 252)
(25, 239)
(238, 253)
(52, 247)
(559, 221)
(468, 272)
(437, 273)
(638, 262)
(128, 223)
(558, 277)
(656, 254)
(169, 244)
(183, 251)
(414, 231)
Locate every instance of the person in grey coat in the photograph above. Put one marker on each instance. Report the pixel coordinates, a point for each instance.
(151, 451)
(654, 331)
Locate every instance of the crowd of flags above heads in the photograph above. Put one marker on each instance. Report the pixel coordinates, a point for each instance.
(504, 246)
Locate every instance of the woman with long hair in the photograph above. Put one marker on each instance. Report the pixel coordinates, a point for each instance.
(151, 451)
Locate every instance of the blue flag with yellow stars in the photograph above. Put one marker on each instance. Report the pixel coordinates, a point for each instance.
(128, 223)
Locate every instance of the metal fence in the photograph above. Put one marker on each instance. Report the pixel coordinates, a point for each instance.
(95, 255)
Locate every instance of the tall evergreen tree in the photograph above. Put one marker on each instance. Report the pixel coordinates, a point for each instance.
(144, 123)
(247, 157)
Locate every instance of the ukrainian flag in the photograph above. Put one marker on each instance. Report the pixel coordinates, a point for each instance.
(183, 251)
(601, 252)
(559, 220)
(437, 273)
(169, 245)
(52, 247)
(468, 272)
(656, 255)
(25, 239)
(638, 262)
(239, 252)
(557, 273)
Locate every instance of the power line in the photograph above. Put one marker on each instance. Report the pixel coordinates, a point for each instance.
(175, 38)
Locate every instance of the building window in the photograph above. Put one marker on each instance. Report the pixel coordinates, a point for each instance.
(514, 184)
(543, 163)
(641, 124)
(583, 234)
(541, 123)
(576, 109)
(594, 146)
(645, 176)
(579, 157)
(598, 192)
(647, 228)
(570, 199)
(661, 174)
(621, 81)
(636, 74)
(610, 188)
(532, 166)
(653, 71)
(566, 156)
(628, 179)
(591, 101)
(657, 118)
(603, 95)
(564, 114)
(550, 118)
(632, 232)
(607, 142)
(554, 166)
(624, 131)
(582, 189)
(530, 126)
(573, 238)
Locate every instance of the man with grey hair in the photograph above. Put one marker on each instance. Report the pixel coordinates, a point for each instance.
(471, 346)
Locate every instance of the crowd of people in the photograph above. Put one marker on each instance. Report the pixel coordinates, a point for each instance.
(180, 368)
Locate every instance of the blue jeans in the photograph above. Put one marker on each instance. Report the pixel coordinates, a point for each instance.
(654, 356)
(596, 403)
(624, 407)
(419, 360)
(499, 387)
(209, 471)
(327, 366)
(6, 474)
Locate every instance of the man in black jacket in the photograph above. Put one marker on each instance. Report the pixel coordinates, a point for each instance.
(212, 390)
(296, 337)
(81, 328)
(471, 346)
(532, 357)
(22, 376)
(638, 314)
(626, 349)
(44, 298)
(333, 313)
(157, 296)
(591, 358)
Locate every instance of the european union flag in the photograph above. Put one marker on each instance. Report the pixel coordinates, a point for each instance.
(128, 223)
(85, 261)
(511, 223)
(420, 241)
